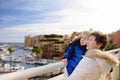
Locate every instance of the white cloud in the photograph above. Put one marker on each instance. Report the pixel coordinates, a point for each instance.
(7, 18)
(32, 5)
(101, 15)
(49, 28)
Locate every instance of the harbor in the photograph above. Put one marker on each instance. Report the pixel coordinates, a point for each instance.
(21, 59)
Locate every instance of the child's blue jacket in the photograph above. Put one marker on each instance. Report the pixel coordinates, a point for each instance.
(74, 55)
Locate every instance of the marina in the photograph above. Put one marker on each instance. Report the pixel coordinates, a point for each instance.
(21, 59)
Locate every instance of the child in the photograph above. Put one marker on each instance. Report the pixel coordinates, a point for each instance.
(75, 51)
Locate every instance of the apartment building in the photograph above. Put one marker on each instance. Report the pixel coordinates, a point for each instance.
(52, 45)
(116, 38)
(28, 41)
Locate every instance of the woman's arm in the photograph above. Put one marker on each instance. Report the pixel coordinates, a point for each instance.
(83, 69)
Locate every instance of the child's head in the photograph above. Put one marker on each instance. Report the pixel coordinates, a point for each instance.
(84, 37)
(97, 40)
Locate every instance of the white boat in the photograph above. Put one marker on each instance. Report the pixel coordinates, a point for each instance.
(7, 68)
(3, 50)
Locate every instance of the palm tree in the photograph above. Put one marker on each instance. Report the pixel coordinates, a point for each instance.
(11, 50)
(37, 51)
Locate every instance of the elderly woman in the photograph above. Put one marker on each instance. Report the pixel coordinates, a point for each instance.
(96, 63)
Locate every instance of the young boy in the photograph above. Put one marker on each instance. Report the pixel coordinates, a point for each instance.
(75, 51)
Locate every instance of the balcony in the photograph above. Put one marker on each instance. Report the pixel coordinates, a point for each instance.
(32, 72)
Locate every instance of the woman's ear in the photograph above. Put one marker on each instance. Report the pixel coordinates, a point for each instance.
(99, 45)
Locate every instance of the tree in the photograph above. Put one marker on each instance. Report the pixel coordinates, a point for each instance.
(37, 51)
(11, 50)
(111, 45)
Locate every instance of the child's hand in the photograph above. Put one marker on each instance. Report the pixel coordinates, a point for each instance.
(64, 60)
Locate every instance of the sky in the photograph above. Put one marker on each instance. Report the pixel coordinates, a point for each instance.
(19, 18)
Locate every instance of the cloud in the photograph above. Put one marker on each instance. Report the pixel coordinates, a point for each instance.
(29, 11)
(42, 28)
(7, 18)
(17, 33)
(32, 5)
(96, 14)
(11, 36)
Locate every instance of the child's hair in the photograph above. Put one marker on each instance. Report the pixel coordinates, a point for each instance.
(100, 39)
(84, 33)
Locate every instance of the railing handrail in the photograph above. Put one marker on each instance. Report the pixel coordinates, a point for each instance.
(114, 50)
(32, 72)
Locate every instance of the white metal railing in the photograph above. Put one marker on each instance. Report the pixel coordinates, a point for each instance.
(32, 72)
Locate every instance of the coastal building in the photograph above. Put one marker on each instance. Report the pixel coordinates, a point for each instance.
(52, 44)
(111, 36)
(37, 40)
(116, 38)
(28, 41)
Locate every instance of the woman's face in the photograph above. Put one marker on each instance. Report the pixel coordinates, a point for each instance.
(92, 44)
